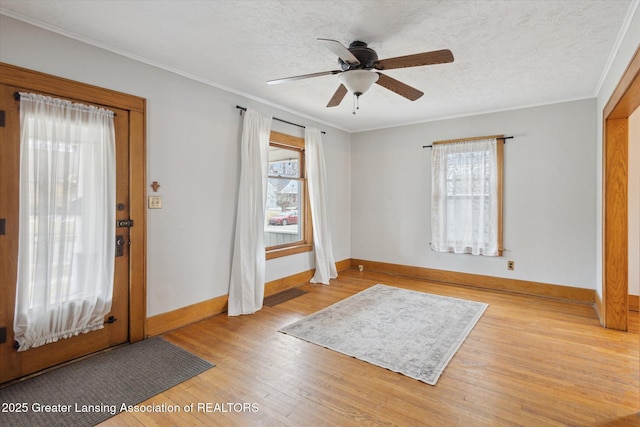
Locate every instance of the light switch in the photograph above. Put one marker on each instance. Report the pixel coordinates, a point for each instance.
(155, 202)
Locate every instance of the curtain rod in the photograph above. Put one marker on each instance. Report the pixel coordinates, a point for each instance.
(280, 120)
(17, 97)
(503, 138)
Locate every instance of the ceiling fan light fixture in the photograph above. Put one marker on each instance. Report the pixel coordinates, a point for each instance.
(358, 81)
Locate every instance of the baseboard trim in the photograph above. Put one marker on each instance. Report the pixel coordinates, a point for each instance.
(634, 303)
(586, 296)
(165, 322)
(597, 306)
(184, 316)
(345, 264)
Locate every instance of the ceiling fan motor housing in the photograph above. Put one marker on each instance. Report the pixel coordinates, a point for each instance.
(367, 57)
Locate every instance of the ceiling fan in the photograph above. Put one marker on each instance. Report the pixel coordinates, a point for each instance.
(360, 66)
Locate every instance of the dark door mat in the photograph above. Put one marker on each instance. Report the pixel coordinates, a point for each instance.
(283, 296)
(92, 390)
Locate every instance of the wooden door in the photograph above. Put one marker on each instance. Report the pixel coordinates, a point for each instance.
(14, 364)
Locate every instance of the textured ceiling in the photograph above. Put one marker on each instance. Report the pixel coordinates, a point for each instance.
(508, 54)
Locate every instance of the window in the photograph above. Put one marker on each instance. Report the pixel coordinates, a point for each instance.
(466, 196)
(287, 226)
(67, 219)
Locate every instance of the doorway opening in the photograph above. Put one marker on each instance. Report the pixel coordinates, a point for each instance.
(615, 242)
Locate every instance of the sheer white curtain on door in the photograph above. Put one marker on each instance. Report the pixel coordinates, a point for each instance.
(67, 220)
(246, 285)
(317, 183)
(464, 202)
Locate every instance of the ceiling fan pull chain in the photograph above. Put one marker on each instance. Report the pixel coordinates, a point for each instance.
(356, 102)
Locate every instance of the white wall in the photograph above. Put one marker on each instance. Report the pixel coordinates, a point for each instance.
(625, 51)
(549, 194)
(379, 207)
(193, 133)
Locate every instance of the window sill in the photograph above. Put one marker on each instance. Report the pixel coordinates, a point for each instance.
(290, 250)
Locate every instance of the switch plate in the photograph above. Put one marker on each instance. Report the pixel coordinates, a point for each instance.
(155, 202)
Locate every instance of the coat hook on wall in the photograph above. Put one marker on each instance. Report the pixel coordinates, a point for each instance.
(155, 186)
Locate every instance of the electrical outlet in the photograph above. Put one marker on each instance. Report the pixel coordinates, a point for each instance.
(511, 265)
(155, 202)
(361, 267)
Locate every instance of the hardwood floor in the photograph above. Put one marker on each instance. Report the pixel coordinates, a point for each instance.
(528, 362)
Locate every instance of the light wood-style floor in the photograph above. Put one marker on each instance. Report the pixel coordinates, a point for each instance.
(528, 362)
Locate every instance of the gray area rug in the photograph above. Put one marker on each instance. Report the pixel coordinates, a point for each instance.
(413, 333)
(101, 386)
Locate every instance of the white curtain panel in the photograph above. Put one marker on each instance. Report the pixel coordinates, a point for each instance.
(67, 220)
(464, 197)
(246, 284)
(317, 183)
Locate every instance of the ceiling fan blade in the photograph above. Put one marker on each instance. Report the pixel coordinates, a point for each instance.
(303, 76)
(426, 58)
(340, 50)
(398, 87)
(338, 96)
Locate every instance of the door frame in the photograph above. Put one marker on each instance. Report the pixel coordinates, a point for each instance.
(615, 160)
(82, 92)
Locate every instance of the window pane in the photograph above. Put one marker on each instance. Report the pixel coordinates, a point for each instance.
(283, 162)
(285, 229)
(283, 215)
(466, 197)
